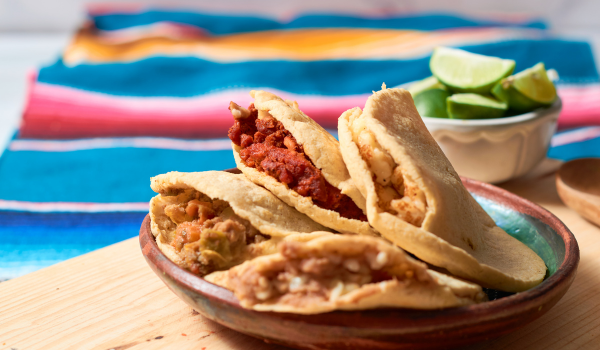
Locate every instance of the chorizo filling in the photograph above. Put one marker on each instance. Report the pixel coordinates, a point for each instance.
(269, 148)
(303, 277)
(209, 236)
(397, 193)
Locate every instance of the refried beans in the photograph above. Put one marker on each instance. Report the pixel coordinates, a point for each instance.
(268, 147)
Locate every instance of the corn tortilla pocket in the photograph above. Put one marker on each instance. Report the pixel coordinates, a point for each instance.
(213, 220)
(416, 199)
(342, 272)
(280, 148)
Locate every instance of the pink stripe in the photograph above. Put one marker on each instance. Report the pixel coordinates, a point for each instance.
(581, 106)
(62, 112)
(97, 9)
(72, 206)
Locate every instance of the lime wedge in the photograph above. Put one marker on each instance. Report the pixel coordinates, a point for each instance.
(432, 103)
(463, 71)
(430, 96)
(473, 106)
(526, 90)
(425, 84)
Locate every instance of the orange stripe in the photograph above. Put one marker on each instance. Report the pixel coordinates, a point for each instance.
(303, 44)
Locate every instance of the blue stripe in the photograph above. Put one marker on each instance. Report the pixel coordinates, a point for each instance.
(584, 149)
(100, 176)
(122, 175)
(30, 241)
(221, 24)
(190, 76)
(53, 221)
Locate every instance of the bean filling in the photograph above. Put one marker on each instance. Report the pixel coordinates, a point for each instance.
(209, 235)
(300, 277)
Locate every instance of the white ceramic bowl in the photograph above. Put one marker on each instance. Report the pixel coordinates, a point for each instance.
(496, 150)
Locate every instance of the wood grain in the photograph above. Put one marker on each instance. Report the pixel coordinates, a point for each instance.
(578, 185)
(110, 299)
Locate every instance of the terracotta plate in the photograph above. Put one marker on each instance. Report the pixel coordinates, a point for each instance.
(399, 328)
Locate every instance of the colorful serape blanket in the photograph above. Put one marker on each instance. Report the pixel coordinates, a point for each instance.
(142, 92)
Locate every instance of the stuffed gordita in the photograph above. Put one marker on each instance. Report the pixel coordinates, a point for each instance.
(277, 146)
(415, 198)
(214, 220)
(342, 272)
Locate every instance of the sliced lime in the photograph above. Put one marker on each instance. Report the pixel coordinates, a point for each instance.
(430, 96)
(432, 103)
(463, 71)
(526, 90)
(473, 106)
(424, 85)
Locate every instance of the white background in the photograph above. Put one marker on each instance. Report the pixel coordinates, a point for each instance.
(33, 32)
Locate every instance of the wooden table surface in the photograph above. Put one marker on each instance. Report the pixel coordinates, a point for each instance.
(110, 299)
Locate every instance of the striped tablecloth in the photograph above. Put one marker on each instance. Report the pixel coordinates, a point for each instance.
(142, 92)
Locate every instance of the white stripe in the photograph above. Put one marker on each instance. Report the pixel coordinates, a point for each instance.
(575, 136)
(161, 29)
(128, 142)
(55, 207)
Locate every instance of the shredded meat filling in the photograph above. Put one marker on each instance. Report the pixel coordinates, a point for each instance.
(303, 279)
(209, 236)
(397, 193)
(268, 147)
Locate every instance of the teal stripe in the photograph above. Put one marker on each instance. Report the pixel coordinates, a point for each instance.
(226, 24)
(100, 176)
(584, 149)
(191, 76)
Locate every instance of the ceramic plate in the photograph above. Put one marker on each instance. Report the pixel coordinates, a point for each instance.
(399, 328)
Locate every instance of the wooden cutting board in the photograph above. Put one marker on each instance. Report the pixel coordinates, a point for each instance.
(110, 299)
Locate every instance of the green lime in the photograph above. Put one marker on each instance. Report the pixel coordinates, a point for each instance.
(430, 96)
(463, 71)
(432, 103)
(425, 84)
(473, 106)
(526, 90)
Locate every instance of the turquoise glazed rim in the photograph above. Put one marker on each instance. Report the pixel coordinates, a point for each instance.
(529, 230)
